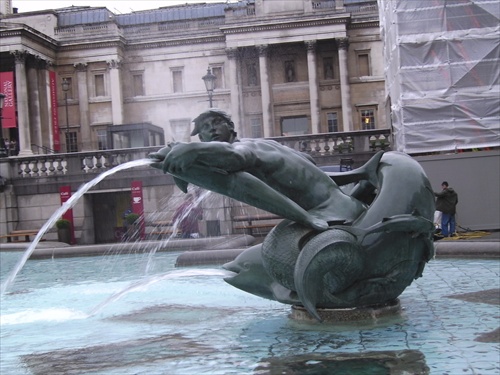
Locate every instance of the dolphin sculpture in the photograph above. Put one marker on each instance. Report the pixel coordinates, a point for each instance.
(367, 261)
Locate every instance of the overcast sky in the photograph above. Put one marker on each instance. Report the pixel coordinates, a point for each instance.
(116, 6)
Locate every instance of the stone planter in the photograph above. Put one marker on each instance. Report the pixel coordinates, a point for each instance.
(64, 235)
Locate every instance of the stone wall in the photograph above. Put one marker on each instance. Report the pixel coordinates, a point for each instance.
(475, 178)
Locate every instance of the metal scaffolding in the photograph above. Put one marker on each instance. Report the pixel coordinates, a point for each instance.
(442, 73)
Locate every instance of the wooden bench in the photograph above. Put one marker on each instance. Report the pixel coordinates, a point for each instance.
(15, 235)
(161, 229)
(250, 224)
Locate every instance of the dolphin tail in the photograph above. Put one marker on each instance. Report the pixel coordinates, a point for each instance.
(328, 264)
(403, 223)
(366, 172)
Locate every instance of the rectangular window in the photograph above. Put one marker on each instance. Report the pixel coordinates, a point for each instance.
(333, 123)
(294, 126)
(290, 71)
(99, 85)
(102, 139)
(138, 89)
(328, 68)
(256, 125)
(367, 119)
(219, 82)
(177, 81)
(252, 74)
(71, 142)
(363, 64)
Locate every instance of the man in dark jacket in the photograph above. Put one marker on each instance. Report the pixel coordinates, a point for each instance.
(446, 202)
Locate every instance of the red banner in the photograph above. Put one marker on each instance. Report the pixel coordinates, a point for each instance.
(56, 142)
(65, 194)
(7, 87)
(138, 205)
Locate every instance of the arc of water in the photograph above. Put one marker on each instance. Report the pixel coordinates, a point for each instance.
(61, 210)
(151, 280)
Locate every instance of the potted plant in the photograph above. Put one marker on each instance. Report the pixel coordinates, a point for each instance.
(63, 230)
(131, 218)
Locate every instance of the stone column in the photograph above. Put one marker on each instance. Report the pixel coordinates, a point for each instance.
(345, 89)
(24, 142)
(116, 91)
(34, 103)
(267, 112)
(45, 104)
(83, 101)
(232, 54)
(313, 86)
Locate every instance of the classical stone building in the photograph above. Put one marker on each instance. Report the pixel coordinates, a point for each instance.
(281, 68)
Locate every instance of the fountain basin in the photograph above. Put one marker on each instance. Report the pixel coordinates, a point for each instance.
(190, 321)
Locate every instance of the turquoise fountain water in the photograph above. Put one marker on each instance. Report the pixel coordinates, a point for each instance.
(63, 316)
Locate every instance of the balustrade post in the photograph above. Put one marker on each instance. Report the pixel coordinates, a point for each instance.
(361, 143)
(73, 165)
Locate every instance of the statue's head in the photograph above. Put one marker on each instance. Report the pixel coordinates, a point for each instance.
(214, 125)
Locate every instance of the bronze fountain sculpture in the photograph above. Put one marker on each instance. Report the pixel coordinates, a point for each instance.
(333, 249)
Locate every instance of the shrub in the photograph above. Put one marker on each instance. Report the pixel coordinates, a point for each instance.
(63, 224)
(131, 218)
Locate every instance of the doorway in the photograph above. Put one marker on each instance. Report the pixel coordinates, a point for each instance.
(108, 210)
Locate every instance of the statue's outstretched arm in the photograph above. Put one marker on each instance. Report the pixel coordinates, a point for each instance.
(218, 156)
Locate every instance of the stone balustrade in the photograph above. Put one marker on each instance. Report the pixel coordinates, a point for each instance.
(320, 146)
(93, 162)
(328, 144)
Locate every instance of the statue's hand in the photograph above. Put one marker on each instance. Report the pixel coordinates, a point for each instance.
(160, 156)
(180, 158)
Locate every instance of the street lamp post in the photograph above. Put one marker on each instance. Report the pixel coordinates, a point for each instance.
(3, 151)
(209, 80)
(65, 87)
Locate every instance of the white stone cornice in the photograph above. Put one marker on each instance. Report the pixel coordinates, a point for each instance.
(177, 42)
(74, 46)
(293, 24)
(363, 25)
(28, 32)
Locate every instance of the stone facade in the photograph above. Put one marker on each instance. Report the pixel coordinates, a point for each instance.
(282, 68)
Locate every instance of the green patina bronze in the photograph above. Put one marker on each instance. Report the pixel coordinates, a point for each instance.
(335, 249)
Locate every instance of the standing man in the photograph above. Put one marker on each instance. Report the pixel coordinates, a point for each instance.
(446, 202)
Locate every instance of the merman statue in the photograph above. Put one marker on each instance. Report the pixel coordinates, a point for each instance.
(333, 250)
